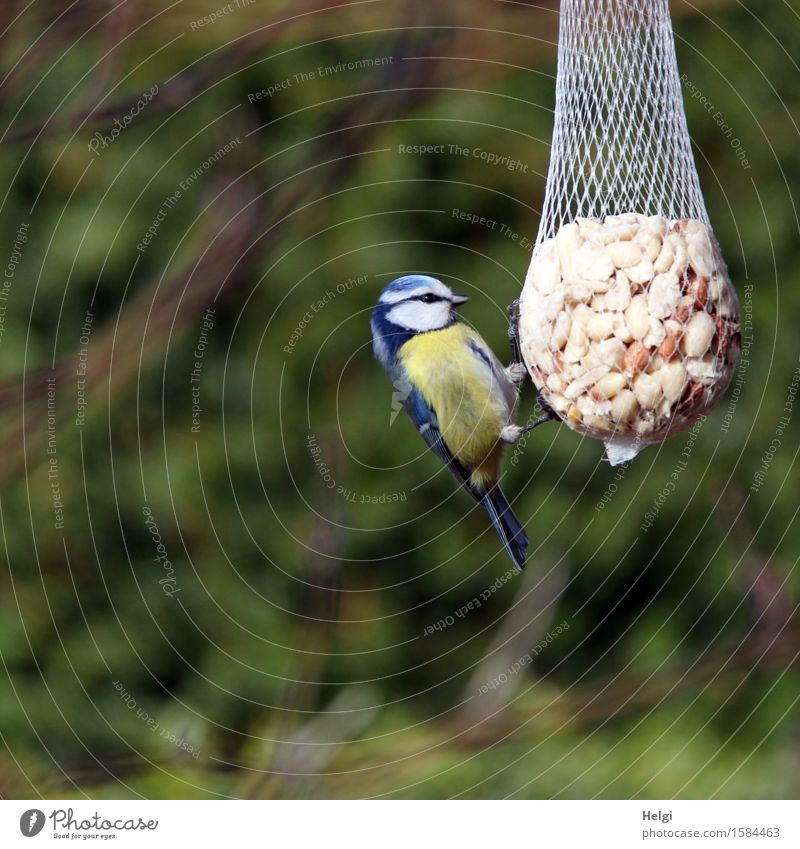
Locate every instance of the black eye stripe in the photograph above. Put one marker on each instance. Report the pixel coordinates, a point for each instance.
(427, 298)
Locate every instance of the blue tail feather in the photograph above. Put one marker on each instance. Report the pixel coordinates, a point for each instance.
(507, 525)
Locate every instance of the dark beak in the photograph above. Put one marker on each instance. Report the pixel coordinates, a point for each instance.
(457, 300)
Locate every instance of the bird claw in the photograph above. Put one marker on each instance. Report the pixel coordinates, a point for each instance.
(517, 372)
(513, 330)
(511, 433)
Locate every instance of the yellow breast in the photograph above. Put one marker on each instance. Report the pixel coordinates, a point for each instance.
(470, 404)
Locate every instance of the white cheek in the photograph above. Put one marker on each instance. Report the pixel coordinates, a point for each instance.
(416, 315)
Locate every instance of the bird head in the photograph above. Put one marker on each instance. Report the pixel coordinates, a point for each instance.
(412, 304)
(419, 303)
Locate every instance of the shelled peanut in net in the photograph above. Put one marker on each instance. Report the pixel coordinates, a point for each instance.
(629, 326)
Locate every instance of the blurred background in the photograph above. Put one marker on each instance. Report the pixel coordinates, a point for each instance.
(227, 570)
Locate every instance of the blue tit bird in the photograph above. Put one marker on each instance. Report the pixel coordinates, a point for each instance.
(457, 393)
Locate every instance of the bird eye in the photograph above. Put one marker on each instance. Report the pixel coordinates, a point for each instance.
(429, 299)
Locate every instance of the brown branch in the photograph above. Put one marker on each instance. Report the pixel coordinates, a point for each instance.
(179, 90)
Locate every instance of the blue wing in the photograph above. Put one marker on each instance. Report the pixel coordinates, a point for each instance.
(505, 522)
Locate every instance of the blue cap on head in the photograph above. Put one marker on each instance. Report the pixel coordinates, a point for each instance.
(411, 281)
(402, 287)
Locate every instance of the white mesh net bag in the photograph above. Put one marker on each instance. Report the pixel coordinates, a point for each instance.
(629, 324)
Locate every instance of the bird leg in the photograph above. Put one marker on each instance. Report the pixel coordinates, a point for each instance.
(513, 433)
(517, 371)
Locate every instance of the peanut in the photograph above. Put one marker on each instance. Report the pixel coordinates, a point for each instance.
(611, 351)
(591, 262)
(655, 336)
(663, 295)
(600, 326)
(568, 242)
(665, 259)
(558, 402)
(637, 317)
(673, 379)
(652, 248)
(702, 369)
(635, 358)
(545, 271)
(621, 331)
(609, 385)
(624, 254)
(699, 289)
(647, 389)
(577, 343)
(700, 256)
(699, 332)
(669, 345)
(624, 406)
(561, 331)
(597, 422)
(618, 297)
(642, 272)
(685, 308)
